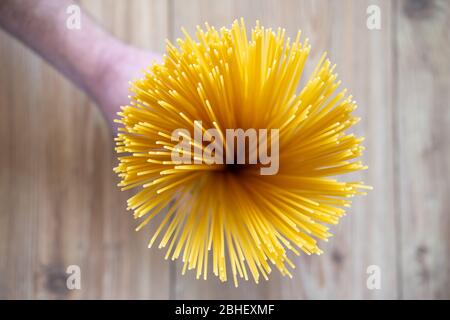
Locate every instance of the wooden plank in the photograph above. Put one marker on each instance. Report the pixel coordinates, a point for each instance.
(17, 231)
(59, 201)
(364, 58)
(423, 147)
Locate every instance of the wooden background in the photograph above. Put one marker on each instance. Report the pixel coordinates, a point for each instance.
(59, 204)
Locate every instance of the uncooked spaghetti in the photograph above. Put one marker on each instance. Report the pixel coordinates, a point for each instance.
(232, 219)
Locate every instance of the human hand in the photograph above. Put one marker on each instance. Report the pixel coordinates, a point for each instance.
(118, 66)
(97, 62)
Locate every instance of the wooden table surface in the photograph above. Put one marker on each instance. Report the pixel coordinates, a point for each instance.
(59, 204)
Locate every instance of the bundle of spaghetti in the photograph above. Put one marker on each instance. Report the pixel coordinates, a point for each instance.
(238, 222)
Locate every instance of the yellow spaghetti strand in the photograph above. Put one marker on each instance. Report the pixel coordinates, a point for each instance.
(229, 219)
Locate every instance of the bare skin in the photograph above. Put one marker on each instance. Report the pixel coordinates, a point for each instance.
(91, 58)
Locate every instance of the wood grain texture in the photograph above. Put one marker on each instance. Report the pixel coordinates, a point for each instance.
(59, 201)
(59, 204)
(423, 146)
